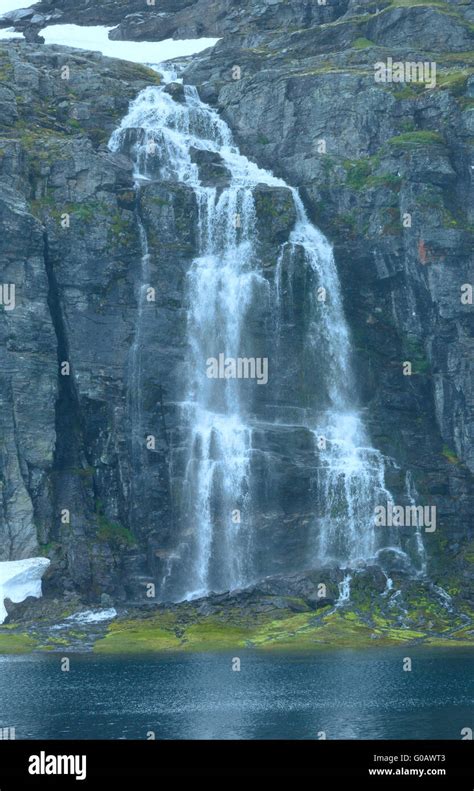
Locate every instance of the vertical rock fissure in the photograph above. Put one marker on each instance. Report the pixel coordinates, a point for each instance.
(69, 450)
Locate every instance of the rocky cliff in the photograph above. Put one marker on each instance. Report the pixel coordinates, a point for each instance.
(384, 169)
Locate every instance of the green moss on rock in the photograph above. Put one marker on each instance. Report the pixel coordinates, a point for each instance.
(15, 642)
(420, 138)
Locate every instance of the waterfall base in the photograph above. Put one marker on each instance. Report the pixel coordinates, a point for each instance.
(301, 611)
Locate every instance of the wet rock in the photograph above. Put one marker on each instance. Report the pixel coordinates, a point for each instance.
(212, 169)
(176, 90)
(276, 213)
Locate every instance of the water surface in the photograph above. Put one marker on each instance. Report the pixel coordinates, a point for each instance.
(348, 694)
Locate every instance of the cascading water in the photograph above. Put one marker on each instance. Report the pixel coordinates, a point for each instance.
(136, 352)
(217, 547)
(419, 551)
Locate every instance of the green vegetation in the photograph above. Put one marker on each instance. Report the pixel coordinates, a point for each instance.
(362, 43)
(410, 3)
(272, 210)
(361, 176)
(449, 220)
(135, 71)
(391, 217)
(85, 211)
(437, 5)
(39, 139)
(121, 229)
(454, 81)
(40, 206)
(346, 222)
(346, 71)
(379, 7)
(421, 138)
(110, 532)
(6, 68)
(468, 553)
(450, 455)
(358, 171)
(74, 124)
(158, 201)
(466, 102)
(84, 472)
(412, 90)
(285, 631)
(415, 352)
(98, 136)
(367, 622)
(46, 550)
(465, 58)
(15, 643)
(328, 164)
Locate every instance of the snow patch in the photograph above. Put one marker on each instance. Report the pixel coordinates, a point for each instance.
(10, 33)
(20, 579)
(96, 38)
(13, 5)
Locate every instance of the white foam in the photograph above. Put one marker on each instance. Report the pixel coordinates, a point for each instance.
(95, 37)
(93, 616)
(20, 579)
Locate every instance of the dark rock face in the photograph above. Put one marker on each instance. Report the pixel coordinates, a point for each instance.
(141, 21)
(385, 170)
(71, 248)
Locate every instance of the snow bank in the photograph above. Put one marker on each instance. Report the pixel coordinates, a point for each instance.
(20, 579)
(10, 33)
(96, 38)
(12, 5)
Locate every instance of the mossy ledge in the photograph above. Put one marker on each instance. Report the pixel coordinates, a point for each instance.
(288, 632)
(415, 612)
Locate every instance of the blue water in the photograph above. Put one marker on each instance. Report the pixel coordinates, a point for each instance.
(346, 694)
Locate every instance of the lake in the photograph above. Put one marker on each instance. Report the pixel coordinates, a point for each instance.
(347, 694)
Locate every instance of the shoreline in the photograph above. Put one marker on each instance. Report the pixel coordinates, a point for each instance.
(184, 629)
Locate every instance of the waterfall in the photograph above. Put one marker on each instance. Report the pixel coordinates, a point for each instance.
(344, 588)
(218, 546)
(419, 551)
(136, 351)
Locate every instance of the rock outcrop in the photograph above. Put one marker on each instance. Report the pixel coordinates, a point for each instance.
(70, 245)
